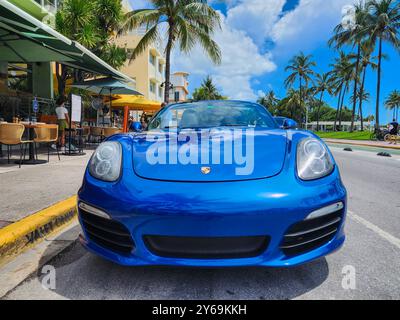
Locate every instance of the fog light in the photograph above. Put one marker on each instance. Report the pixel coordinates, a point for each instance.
(326, 210)
(93, 210)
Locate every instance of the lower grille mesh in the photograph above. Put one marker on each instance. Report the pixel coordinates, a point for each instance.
(206, 247)
(109, 234)
(310, 234)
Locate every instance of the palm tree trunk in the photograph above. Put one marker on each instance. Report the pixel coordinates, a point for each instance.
(319, 108)
(168, 64)
(301, 95)
(337, 110)
(355, 87)
(341, 106)
(61, 73)
(378, 88)
(361, 95)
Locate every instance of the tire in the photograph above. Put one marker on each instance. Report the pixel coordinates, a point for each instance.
(387, 138)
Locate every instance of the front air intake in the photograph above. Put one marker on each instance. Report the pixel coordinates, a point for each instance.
(310, 234)
(107, 233)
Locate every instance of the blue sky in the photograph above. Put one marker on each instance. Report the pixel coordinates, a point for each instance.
(259, 37)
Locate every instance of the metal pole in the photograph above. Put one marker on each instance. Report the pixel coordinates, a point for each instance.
(70, 124)
(126, 115)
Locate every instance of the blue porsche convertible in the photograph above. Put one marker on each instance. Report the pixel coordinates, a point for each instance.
(213, 183)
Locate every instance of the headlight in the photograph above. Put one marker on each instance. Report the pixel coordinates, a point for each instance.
(313, 159)
(105, 164)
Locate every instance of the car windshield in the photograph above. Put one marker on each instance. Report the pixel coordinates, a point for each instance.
(212, 114)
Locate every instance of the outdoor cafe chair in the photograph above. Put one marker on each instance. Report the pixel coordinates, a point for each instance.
(108, 132)
(47, 134)
(11, 135)
(96, 132)
(85, 134)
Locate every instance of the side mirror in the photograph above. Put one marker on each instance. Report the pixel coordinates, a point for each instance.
(290, 124)
(137, 127)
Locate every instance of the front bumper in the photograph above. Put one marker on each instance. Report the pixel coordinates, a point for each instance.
(255, 208)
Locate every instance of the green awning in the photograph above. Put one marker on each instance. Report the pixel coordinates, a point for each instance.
(24, 39)
(106, 86)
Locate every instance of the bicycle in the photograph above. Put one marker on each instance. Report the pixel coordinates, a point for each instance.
(379, 135)
(392, 137)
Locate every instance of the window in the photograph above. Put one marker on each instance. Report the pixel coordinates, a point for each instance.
(176, 96)
(160, 93)
(160, 68)
(152, 87)
(152, 59)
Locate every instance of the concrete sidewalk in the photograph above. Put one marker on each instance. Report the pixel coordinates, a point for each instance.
(32, 188)
(375, 144)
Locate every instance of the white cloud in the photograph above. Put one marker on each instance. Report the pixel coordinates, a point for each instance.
(308, 26)
(241, 61)
(255, 17)
(247, 26)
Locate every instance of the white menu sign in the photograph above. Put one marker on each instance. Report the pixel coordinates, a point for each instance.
(76, 105)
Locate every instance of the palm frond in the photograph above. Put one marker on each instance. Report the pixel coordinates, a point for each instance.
(150, 37)
(137, 18)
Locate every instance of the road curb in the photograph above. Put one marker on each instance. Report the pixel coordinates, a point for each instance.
(361, 144)
(33, 229)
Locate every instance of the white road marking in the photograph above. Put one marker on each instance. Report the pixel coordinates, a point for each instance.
(383, 234)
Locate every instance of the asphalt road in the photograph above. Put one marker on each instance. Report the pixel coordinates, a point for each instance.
(372, 250)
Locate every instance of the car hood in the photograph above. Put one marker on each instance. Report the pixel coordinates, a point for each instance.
(256, 154)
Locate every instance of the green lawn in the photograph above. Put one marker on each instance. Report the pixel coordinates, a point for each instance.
(359, 135)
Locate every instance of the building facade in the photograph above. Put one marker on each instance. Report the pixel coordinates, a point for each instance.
(179, 91)
(148, 69)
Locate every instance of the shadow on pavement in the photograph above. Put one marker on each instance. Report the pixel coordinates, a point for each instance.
(82, 275)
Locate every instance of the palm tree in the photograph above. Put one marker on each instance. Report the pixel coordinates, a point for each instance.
(187, 22)
(393, 103)
(366, 61)
(93, 24)
(207, 91)
(384, 22)
(269, 101)
(294, 103)
(362, 96)
(323, 84)
(300, 68)
(342, 74)
(354, 36)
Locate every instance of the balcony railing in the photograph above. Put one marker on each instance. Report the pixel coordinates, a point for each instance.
(49, 5)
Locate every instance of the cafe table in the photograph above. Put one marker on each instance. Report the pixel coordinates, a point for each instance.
(30, 127)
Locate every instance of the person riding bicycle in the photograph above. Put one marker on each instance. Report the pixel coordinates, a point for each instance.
(393, 131)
